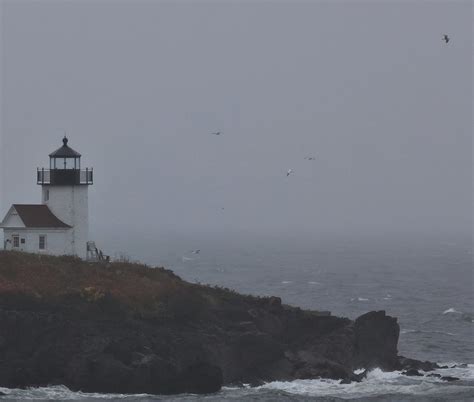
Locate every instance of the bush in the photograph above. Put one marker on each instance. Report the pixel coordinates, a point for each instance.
(92, 294)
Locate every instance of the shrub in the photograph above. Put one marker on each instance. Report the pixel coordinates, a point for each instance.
(92, 294)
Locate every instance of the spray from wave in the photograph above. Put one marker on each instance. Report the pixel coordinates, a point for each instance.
(380, 383)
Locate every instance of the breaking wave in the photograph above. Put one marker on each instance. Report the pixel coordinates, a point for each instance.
(451, 310)
(463, 316)
(420, 331)
(378, 384)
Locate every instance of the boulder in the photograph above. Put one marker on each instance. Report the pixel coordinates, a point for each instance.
(449, 378)
(376, 339)
(412, 373)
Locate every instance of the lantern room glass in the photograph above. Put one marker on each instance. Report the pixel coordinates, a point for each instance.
(65, 163)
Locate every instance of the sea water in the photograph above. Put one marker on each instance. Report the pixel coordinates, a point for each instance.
(427, 283)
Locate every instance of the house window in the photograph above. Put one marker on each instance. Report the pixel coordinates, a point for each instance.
(42, 242)
(16, 241)
(22, 241)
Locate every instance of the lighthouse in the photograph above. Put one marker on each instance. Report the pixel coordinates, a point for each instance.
(60, 224)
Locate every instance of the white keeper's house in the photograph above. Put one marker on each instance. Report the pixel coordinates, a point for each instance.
(60, 224)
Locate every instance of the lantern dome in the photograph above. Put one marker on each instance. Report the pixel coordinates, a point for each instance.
(65, 151)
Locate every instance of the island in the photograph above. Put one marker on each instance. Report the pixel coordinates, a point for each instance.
(121, 327)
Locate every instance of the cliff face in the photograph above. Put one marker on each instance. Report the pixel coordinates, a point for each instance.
(131, 329)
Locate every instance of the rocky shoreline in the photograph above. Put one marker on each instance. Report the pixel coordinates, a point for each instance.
(128, 328)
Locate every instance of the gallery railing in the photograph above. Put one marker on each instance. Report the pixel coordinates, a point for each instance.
(64, 177)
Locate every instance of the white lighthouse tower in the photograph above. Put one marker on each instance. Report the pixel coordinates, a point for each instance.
(65, 191)
(60, 224)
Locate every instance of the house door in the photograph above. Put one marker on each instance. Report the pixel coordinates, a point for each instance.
(15, 242)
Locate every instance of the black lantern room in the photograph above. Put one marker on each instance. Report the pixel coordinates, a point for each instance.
(65, 158)
(65, 168)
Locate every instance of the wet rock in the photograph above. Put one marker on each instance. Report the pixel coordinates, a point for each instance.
(449, 378)
(412, 372)
(200, 378)
(407, 364)
(462, 365)
(376, 339)
(102, 373)
(359, 377)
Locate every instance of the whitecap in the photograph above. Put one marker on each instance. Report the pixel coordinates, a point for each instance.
(376, 383)
(421, 331)
(362, 299)
(461, 371)
(61, 392)
(451, 310)
(314, 283)
(441, 333)
(286, 282)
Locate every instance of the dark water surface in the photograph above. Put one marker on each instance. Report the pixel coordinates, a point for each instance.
(427, 284)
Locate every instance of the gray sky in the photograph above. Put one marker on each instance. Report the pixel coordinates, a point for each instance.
(368, 88)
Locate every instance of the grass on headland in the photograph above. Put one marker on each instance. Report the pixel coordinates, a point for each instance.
(147, 290)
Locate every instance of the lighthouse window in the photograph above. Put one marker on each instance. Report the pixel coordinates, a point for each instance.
(42, 242)
(69, 163)
(46, 195)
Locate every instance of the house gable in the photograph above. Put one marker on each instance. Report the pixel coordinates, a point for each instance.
(12, 219)
(31, 216)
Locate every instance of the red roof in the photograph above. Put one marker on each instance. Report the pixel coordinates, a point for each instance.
(38, 216)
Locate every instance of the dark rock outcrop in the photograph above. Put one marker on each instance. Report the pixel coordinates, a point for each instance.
(132, 329)
(412, 364)
(412, 373)
(376, 340)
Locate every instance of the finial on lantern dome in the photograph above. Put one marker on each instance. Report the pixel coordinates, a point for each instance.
(65, 140)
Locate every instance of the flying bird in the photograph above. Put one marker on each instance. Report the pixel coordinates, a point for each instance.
(446, 38)
(217, 133)
(196, 251)
(310, 158)
(290, 171)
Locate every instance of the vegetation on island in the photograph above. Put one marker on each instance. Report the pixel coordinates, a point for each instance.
(134, 287)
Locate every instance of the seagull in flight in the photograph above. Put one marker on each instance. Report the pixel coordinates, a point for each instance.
(290, 171)
(310, 158)
(446, 38)
(217, 133)
(196, 251)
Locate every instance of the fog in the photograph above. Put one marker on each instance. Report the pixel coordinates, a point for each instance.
(369, 89)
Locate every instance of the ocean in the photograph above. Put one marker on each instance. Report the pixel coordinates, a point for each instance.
(426, 282)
